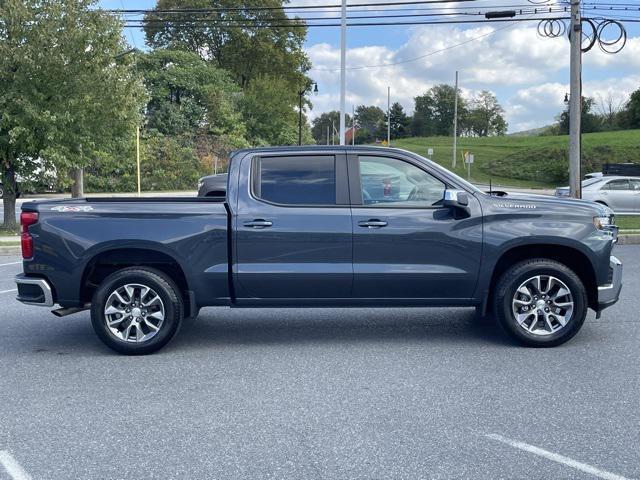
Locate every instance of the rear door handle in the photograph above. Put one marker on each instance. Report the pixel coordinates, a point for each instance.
(258, 223)
(373, 223)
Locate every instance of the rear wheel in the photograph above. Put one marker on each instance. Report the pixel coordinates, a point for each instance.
(137, 310)
(540, 302)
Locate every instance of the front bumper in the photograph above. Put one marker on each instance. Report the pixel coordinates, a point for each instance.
(609, 293)
(34, 291)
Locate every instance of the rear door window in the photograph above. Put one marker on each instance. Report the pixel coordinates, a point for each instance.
(304, 180)
(617, 185)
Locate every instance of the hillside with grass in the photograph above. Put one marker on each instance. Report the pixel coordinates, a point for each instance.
(534, 162)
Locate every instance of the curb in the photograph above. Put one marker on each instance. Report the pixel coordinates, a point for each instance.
(10, 250)
(629, 239)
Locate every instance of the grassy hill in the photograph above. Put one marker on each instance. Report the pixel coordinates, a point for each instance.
(537, 162)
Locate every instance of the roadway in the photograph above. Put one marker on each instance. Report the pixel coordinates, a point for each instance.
(320, 394)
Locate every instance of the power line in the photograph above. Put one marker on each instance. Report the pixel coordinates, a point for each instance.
(283, 7)
(294, 24)
(433, 52)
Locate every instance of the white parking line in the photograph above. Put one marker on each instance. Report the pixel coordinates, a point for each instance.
(9, 291)
(13, 468)
(7, 264)
(569, 462)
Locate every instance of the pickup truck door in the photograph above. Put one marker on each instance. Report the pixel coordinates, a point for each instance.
(406, 245)
(293, 237)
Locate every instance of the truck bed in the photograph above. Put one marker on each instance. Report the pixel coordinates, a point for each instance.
(74, 238)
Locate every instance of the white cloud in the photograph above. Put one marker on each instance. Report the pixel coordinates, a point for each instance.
(497, 58)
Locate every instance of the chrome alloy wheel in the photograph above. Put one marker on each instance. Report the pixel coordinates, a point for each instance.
(134, 313)
(542, 305)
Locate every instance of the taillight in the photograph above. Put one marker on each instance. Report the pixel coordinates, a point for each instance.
(26, 240)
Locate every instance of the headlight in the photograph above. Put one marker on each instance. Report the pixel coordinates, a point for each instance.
(603, 222)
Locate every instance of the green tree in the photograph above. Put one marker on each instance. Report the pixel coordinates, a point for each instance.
(486, 116)
(589, 122)
(65, 99)
(269, 110)
(434, 111)
(399, 121)
(184, 90)
(422, 124)
(327, 120)
(248, 43)
(369, 119)
(631, 112)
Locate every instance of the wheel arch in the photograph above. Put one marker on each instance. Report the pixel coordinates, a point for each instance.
(569, 256)
(106, 262)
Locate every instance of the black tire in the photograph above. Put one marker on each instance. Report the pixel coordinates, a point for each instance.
(165, 288)
(511, 280)
(1, 192)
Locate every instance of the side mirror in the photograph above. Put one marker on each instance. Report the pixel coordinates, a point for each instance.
(457, 200)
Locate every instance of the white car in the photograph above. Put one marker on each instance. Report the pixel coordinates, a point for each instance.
(621, 194)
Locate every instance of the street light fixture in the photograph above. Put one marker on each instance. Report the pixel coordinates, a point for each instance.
(311, 87)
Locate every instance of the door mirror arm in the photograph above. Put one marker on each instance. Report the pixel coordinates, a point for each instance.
(458, 201)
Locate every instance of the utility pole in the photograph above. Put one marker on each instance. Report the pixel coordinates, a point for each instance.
(388, 116)
(455, 124)
(575, 100)
(327, 134)
(333, 133)
(353, 125)
(343, 69)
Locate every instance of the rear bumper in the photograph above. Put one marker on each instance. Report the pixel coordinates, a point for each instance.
(34, 291)
(608, 294)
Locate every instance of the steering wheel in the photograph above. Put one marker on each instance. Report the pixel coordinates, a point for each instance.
(415, 194)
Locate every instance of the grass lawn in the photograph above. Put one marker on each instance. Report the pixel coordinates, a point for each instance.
(10, 232)
(534, 162)
(628, 223)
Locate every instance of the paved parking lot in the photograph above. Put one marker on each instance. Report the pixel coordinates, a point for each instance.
(332, 394)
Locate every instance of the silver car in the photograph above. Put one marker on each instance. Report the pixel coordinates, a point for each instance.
(621, 194)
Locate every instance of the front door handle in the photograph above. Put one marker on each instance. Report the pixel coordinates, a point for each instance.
(258, 223)
(372, 223)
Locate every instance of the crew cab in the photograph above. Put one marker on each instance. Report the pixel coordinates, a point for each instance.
(321, 227)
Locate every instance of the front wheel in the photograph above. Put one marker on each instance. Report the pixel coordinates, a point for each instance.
(540, 302)
(137, 310)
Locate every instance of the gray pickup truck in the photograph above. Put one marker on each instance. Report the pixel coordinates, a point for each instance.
(321, 227)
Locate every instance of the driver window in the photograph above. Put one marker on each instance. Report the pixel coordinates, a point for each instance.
(389, 182)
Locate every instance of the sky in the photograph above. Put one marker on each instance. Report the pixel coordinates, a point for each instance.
(528, 74)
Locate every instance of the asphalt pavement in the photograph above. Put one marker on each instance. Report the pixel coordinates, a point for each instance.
(321, 394)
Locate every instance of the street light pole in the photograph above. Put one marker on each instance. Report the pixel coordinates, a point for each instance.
(575, 100)
(343, 69)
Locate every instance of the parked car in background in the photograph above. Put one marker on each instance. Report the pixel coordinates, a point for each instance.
(621, 194)
(213, 186)
(2, 192)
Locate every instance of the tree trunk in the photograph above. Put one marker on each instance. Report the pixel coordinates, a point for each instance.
(77, 189)
(9, 198)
